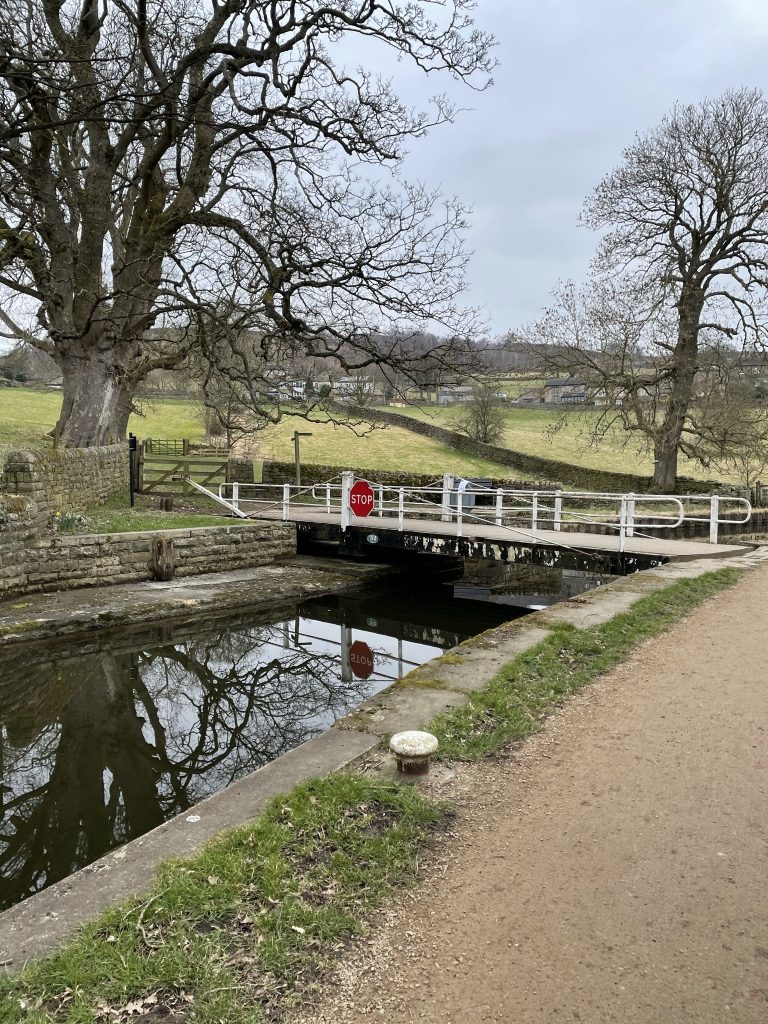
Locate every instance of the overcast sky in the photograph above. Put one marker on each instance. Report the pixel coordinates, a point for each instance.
(577, 79)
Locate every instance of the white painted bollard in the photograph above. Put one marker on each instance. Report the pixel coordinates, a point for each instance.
(413, 751)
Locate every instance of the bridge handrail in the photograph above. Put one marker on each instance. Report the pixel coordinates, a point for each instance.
(538, 506)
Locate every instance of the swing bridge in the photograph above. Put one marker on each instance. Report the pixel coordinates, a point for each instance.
(470, 518)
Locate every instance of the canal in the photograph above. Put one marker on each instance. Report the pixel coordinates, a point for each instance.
(103, 740)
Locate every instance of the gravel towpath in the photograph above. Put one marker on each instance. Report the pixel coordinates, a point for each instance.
(615, 868)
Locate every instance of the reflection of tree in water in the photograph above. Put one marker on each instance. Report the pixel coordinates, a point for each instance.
(121, 742)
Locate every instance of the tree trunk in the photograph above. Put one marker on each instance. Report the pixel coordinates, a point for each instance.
(96, 402)
(667, 444)
(665, 468)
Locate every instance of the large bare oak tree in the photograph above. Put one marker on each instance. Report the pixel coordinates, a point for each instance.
(163, 159)
(680, 275)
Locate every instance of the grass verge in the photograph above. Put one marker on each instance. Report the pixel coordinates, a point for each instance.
(251, 921)
(242, 931)
(529, 688)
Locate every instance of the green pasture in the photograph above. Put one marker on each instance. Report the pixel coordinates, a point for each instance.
(27, 415)
(532, 431)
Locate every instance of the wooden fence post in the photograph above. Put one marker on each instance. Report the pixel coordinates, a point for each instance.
(140, 467)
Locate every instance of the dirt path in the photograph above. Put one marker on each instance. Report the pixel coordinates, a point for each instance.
(615, 869)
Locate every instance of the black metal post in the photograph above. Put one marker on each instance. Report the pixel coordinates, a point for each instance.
(132, 467)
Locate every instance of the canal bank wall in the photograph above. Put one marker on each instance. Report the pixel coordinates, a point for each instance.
(37, 487)
(34, 560)
(46, 920)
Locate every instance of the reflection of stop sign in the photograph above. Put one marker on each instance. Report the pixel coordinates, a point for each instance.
(361, 498)
(361, 659)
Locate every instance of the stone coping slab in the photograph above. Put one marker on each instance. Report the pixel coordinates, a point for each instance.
(74, 613)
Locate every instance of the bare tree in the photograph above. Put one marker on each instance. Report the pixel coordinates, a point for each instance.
(482, 417)
(617, 341)
(155, 156)
(685, 222)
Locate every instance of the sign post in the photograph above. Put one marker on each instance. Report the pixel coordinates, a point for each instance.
(296, 454)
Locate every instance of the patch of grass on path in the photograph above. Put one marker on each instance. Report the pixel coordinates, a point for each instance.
(245, 929)
(253, 920)
(135, 520)
(529, 688)
(117, 516)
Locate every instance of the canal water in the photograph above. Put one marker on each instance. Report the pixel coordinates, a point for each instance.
(104, 740)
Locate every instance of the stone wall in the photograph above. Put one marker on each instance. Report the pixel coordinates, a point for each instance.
(19, 527)
(32, 560)
(274, 472)
(66, 479)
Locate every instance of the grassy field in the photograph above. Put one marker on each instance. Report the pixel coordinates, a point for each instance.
(530, 431)
(26, 416)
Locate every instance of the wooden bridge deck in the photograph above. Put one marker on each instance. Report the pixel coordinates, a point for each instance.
(648, 546)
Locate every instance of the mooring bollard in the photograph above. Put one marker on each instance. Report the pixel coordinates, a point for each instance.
(413, 751)
(162, 560)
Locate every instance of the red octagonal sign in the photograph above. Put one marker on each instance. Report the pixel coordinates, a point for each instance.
(361, 659)
(361, 498)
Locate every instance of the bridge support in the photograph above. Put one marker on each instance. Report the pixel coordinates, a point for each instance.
(448, 483)
(347, 480)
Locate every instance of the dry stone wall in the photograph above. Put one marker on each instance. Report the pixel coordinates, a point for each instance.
(66, 479)
(34, 557)
(274, 472)
(19, 527)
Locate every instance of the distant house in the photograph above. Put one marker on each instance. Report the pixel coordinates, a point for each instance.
(533, 396)
(565, 391)
(455, 394)
(360, 389)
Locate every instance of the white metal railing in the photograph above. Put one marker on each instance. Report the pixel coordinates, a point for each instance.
(518, 511)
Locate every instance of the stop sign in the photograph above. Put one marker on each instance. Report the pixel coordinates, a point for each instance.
(361, 498)
(361, 659)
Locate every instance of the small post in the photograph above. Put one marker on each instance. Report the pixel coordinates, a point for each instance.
(400, 508)
(558, 510)
(380, 490)
(622, 522)
(286, 501)
(714, 516)
(132, 468)
(630, 515)
(297, 459)
(534, 510)
(236, 495)
(499, 506)
(448, 480)
(347, 479)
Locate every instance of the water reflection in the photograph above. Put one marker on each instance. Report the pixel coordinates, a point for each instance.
(104, 740)
(98, 748)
